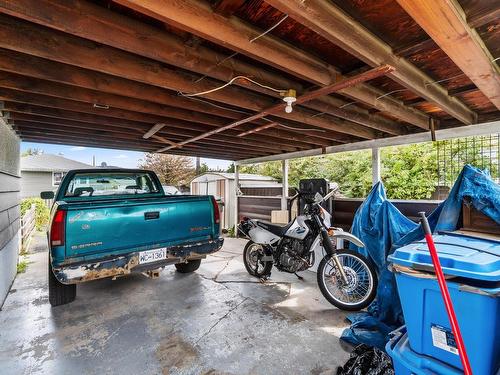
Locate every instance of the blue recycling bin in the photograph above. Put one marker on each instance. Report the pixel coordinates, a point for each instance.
(407, 362)
(472, 268)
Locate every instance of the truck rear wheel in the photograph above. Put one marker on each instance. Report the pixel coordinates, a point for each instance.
(59, 293)
(188, 267)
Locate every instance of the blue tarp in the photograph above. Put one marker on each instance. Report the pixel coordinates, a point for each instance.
(383, 229)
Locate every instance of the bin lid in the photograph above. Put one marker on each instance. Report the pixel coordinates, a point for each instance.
(459, 255)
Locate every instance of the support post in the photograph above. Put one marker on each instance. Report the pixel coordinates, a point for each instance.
(284, 193)
(236, 193)
(375, 165)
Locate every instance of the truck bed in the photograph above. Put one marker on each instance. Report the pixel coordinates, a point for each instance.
(111, 227)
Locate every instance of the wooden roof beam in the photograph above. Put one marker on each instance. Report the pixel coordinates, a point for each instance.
(78, 141)
(371, 74)
(63, 132)
(174, 133)
(27, 38)
(104, 26)
(32, 66)
(334, 24)
(258, 129)
(69, 111)
(154, 129)
(446, 24)
(226, 8)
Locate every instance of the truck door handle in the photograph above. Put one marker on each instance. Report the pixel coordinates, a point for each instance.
(151, 215)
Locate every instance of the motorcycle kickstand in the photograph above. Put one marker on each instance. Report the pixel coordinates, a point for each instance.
(263, 279)
(298, 276)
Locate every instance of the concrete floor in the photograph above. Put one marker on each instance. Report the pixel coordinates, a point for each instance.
(218, 320)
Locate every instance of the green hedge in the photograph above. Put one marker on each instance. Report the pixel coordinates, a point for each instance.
(42, 213)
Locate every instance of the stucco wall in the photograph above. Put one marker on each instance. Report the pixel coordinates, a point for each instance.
(32, 183)
(9, 207)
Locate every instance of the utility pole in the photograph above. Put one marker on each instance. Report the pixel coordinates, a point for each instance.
(198, 166)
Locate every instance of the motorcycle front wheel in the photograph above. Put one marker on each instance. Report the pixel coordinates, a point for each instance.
(253, 264)
(361, 286)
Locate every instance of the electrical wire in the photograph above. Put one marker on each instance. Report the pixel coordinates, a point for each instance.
(251, 41)
(389, 93)
(347, 104)
(230, 83)
(444, 80)
(270, 29)
(301, 129)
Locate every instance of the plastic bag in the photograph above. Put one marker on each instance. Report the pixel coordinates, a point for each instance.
(367, 360)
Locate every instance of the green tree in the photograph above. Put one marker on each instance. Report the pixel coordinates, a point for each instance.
(410, 171)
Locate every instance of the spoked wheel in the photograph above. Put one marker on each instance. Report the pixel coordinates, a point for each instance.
(361, 286)
(251, 257)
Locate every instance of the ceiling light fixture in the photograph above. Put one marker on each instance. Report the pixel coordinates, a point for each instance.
(289, 97)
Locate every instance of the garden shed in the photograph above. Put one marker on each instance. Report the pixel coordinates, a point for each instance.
(222, 186)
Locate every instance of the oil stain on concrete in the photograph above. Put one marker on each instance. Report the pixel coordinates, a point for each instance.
(217, 320)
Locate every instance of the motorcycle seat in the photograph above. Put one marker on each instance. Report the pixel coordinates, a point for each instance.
(277, 229)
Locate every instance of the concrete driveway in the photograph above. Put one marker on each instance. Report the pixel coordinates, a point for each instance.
(218, 320)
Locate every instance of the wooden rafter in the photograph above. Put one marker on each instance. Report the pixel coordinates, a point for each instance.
(445, 22)
(107, 27)
(154, 129)
(75, 117)
(227, 7)
(258, 129)
(197, 18)
(371, 74)
(335, 25)
(26, 38)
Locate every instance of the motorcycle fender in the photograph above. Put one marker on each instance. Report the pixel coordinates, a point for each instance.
(339, 234)
(262, 236)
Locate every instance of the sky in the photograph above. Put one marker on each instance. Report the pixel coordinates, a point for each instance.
(118, 158)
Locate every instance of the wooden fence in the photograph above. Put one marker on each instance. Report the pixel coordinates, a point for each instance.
(28, 221)
(343, 209)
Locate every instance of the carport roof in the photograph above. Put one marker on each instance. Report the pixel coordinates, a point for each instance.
(119, 74)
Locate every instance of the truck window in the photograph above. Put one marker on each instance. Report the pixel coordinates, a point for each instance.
(110, 184)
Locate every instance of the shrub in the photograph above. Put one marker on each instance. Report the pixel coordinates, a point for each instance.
(42, 213)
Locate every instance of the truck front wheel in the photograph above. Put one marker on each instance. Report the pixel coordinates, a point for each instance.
(59, 293)
(188, 267)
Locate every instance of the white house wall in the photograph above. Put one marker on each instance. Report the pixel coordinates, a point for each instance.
(9, 207)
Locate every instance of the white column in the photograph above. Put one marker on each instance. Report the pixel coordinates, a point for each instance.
(284, 193)
(375, 165)
(236, 192)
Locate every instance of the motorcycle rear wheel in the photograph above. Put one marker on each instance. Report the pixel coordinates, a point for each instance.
(250, 258)
(361, 287)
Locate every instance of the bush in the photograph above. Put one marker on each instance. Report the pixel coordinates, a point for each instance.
(42, 213)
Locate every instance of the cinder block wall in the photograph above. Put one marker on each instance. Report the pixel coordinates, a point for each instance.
(10, 220)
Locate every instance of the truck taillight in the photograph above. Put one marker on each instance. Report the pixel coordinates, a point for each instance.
(216, 211)
(57, 229)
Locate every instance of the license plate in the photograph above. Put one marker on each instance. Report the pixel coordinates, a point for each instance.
(152, 255)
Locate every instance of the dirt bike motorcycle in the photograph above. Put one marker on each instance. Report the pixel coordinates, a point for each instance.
(346, 278)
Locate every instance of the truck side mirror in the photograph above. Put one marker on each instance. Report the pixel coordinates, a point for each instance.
(47, 195)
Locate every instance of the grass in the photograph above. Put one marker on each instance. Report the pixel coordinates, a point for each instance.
(21, 266)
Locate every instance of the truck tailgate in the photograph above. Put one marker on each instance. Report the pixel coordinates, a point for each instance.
(102, 227)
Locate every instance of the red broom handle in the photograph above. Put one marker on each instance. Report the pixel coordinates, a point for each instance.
(446, 295)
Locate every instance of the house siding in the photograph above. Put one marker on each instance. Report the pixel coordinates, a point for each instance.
(35, 182)
(9, 208)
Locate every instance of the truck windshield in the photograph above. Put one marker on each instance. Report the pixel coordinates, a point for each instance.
(110, 184)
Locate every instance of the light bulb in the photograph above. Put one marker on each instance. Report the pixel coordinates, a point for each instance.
(288, 108)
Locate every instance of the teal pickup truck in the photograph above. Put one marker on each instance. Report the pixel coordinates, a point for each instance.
(111, 222)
